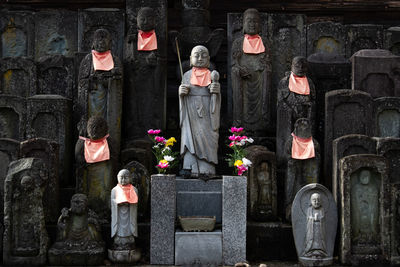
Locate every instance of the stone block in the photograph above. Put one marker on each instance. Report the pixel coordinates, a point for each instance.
(326, 37)
(199, 204)
(390, 149)
(18, 76)
(12, 117)
(363, 36)
(387, 116)
(234, 198)
(202, 248)
(163, 214)
(392, 40)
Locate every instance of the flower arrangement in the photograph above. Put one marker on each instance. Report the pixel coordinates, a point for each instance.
(166, 158)
(237, 143)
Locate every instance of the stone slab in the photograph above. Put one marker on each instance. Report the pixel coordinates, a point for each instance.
(392, 40)
(387, 116)
(363, 36)
(199, 204)
(390, 149)
(204, 248)
(326, 37)
(12, 117)
(18, 76)
(198, 185)
(234, 210)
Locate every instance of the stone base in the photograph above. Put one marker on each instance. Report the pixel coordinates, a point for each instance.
(315, 262)
(76, 257)
(124, 256)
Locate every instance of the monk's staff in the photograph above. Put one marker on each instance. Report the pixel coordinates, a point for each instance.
(179, 56)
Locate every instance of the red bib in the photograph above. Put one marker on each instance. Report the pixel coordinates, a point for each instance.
(200, 76)
(302, 148)
(125, 194)
(147, 41)
(253, 44)
(102, 61)
(96, 150)
(299, 85)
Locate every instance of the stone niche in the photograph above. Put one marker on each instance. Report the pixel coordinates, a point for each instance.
(390, 149)
(261, 184)
(363, 36)
(12, 117)
(56, 33)
(346, 112)
(47, 150)
(392, 40)
(56, 76)
(49, 116)
(326, 37)
(375, 71)
(17, 33)
(365, 204)
(18, 77)
(111, 19)
(387, 116)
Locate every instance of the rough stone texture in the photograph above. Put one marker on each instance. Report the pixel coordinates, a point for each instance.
(56, 76)
(346, 112)
(48, 151)
(374, 71)
(49, 116)
(234, 191)
(202, 249)
(347, 145)
(140, 150)
(363, 36)
(395, 225)
(325, 231)
(25, 236)
(163, 212)
(12, 117)
(124, 256)
(196, 197)
(390, 149)
(261, 184)
(141, 180)
(111, 19)
(17, 33)
(56, 33)
(326, 37)
(392, 40)
(387, 116)
(146, 78)
(18, 77)
(365, 220)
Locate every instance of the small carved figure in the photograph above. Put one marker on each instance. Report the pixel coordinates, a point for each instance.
(199, 107)
(251, 76)
(264, 187)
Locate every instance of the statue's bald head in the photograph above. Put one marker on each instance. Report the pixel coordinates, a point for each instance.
(200, 57)
(146, 20)
(101, 40)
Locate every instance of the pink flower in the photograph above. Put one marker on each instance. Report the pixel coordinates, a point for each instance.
(231, 144)
(241, 169)
(163, 164)
(160, 139)
(236, 130)
(232, 137)
(151, 131)
(243, 137)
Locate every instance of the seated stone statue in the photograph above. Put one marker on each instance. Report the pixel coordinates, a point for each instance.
(199, 107)
(79, 239)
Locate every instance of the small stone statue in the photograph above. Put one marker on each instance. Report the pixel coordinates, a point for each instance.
(251, 76)
(79, 239)
(296, 99)
(199, 107)
(124, 201)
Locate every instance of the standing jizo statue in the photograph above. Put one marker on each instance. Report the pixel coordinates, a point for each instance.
(199, 108)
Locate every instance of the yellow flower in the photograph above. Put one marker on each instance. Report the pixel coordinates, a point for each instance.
(170, 142)
(238, 163)
(163, 161)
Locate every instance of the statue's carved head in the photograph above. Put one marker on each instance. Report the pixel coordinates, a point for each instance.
(299, 66)
(97, 127)
(79, 204)
(27, 182)
(251, 22)
(124, 177)
(302, 128)
(146, 20)
(315, 200)
(199, 57)
(365, 177)
(101, 40)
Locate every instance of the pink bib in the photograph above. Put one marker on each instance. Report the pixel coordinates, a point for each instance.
(102, 61)
(147, 41)
(302, 148)
(200, 76)
(125, 194)
(96, 150)
(253, 44)
(299, 85)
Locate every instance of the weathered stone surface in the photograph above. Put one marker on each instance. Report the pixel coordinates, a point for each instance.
(234, 195)
(261, 184)
(48, 151)
(56, 76)
(363, 36)
(56, 33)
(111, 19)
(18, 77)
(314, 220)
(347, 145)
(12, 117)
(374, 71)
(387, 116)
(365, 205)
(395, 225)
(25, 236)
(146, 71)
(17, 33)
(204, 249)
(163, 214)
(326, 37)
(49, 116)
(390, 149)
(392, 40)
(139, 150)
(346, 112)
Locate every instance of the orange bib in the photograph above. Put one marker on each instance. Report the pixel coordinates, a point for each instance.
(200, 76)
(147, 41)
(125, 194)
(96, 150)
(253, 44)
(302, 148)
(299, 85)
(102, 61)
